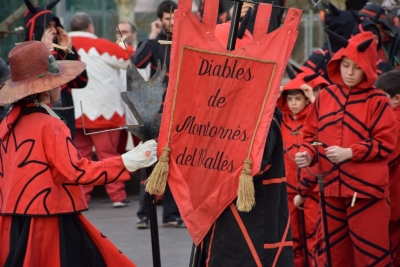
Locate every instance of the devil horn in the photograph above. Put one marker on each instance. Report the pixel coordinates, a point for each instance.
(377, 16)
(333, 9)
(51, 5)
(290, 73)
(364, 45)
(343, 42)
(296, 69)
(356, 17)
(311, 77)
(30, 6)
(319, 65)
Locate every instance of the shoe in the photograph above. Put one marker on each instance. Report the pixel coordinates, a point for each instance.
(179, 223)
(143, 223)
(122, 203)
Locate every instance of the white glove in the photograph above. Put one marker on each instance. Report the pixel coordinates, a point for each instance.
(141, 156)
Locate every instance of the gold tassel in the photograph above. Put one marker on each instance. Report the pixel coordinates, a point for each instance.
(246, 200)
(157, 181)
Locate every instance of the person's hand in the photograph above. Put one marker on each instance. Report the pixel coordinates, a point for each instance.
(308, 92)
(299, 201)
(47, 38)
(245, 7)
(141, 156)
(62, 37)
(156, 27)
(280, 91)
(302, 159)
(338, 154)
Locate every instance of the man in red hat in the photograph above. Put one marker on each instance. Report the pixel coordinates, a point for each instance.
(41, 171)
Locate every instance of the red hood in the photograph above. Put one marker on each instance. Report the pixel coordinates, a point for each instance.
(366, 60)
(282, 103)
(299, 80)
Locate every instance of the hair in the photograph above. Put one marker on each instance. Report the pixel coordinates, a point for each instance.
(133, 28)
(165, 7)
(27, 100)
(294, 92)
(389, 82)
(81, 21)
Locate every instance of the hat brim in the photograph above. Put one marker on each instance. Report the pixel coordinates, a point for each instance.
(14, 91)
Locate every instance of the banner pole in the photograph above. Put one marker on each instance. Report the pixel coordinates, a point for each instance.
(237, 9)
(155, 241)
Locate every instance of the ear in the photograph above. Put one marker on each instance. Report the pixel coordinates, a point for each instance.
(90, 28)
(364, 45)
(396, 99)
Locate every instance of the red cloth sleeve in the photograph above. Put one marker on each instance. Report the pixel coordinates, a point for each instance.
(66, 161)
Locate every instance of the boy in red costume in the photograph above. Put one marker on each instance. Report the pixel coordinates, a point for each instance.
(353, 129)
(389, 83)
(41, 171)
(295, 103)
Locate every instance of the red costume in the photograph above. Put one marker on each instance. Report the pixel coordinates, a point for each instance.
(291, 127)
(394, 188)
(41, 171)
(359, 118)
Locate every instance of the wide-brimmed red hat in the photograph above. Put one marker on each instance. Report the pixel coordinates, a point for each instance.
(34, 70)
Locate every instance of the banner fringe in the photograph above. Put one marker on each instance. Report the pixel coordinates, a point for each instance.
(246, 194)
(157, 181)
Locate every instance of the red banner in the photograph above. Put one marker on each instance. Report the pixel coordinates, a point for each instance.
(215, 117)
(218, 108)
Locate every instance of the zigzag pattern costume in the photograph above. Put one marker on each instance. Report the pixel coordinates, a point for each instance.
(41, 198)
(359, 118)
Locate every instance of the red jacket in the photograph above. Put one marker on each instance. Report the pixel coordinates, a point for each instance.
(291, 128)
(394, 174)
(41, 169)
(359, 118)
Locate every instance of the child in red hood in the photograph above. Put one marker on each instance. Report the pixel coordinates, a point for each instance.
(297, 96)
(389, 83)
(353, 122)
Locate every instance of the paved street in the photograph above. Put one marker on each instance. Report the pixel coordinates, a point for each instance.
(119, 225)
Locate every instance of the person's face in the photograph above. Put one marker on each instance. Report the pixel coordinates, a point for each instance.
(53, 28)
(351, 73)
(168, 22)
(296, 102)
(126, 30)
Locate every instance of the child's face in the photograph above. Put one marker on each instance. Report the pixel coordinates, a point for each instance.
(296, 102)
(351, 73)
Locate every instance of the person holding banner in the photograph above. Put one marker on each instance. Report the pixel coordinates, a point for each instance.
(351, 130)
(150, 51)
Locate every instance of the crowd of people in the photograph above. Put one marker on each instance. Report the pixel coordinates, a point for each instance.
(337, 125)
